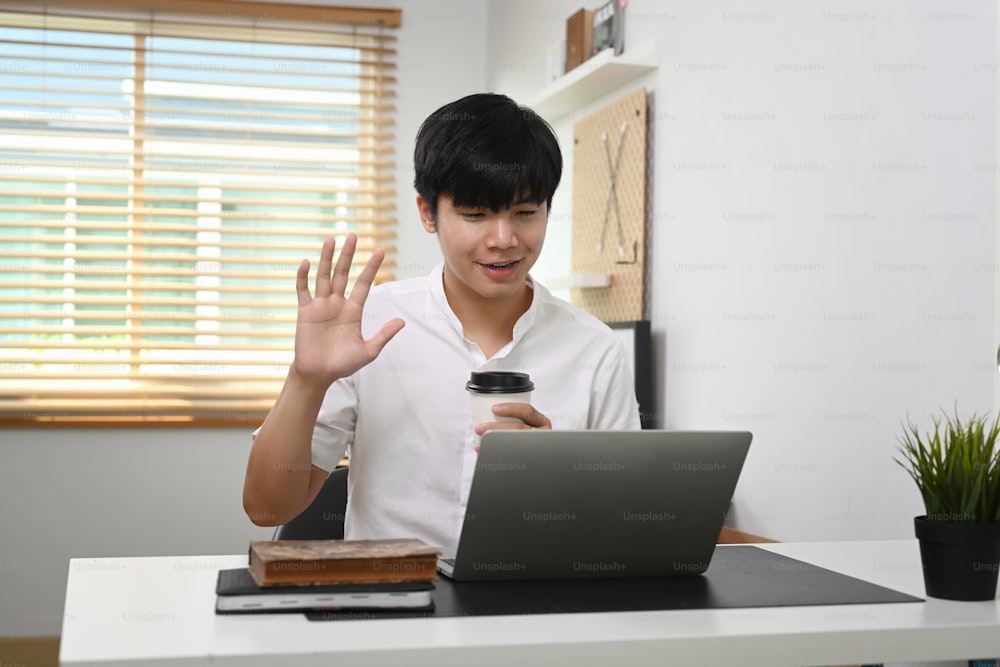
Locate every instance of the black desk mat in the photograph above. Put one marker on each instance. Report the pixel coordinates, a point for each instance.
(738, 577)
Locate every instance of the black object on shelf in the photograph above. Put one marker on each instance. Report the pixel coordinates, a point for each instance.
(638, 344)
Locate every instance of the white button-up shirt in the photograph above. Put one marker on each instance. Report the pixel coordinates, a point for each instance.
(407, 418)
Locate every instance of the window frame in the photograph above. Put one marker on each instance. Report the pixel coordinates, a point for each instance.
(281, 18)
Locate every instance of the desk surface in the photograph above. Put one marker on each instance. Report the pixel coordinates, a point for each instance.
(160, 610)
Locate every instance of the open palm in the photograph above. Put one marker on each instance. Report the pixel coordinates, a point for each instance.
(328, 341)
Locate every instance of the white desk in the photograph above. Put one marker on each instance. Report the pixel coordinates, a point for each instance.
(160, 611)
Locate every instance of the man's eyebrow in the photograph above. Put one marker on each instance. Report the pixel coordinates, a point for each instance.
(527, 200)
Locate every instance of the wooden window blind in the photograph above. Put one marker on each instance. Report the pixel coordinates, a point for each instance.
(164, 167)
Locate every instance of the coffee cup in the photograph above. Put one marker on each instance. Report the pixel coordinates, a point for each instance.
(487, 388)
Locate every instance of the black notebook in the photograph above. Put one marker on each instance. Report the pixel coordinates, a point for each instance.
(237, 593)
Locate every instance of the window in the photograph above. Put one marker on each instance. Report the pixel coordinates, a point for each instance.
(163, 171)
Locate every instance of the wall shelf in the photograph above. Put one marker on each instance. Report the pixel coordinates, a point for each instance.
(580, 281)
(598, 76)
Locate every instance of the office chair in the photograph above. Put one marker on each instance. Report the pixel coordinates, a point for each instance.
(324, 518)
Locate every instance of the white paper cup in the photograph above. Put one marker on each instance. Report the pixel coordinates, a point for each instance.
(487, 388)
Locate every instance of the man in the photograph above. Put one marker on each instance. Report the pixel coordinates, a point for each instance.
(486, 170)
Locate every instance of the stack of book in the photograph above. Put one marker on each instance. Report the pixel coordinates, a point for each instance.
(588, 32)
(321, 575)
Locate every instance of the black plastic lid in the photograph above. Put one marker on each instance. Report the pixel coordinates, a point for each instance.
(499, 382)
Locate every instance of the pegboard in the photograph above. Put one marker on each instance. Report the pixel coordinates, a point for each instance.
(609, 208)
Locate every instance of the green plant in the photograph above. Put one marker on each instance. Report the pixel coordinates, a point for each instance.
(956, 467)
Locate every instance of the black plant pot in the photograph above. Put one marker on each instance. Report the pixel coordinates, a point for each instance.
(961, 560)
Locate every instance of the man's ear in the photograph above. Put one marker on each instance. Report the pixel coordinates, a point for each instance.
(426, 215)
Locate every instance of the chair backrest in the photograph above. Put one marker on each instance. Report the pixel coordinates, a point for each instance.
(324, 518)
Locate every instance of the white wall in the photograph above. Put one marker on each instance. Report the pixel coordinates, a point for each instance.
(823, 233)
(120, 492)
(74, 493)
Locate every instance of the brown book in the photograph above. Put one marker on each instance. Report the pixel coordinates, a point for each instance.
(325, 562)
(579, 32)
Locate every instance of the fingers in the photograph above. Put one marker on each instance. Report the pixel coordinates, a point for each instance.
(383, 335)
(337, 284)
(529, 418)
(342, 271)
(323, 270)
(523, 411)
(481, 429)
(327, 284)
(367, 276)
(302, 283)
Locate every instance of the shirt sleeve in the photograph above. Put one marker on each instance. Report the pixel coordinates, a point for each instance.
(613, 405)
(335, 424)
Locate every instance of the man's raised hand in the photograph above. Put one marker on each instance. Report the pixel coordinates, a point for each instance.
(328, 340)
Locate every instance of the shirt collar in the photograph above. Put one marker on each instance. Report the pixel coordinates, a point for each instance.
(521, 327)
(523, 324)
(436, 280)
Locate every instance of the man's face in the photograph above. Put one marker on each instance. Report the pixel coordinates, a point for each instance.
(487, 253)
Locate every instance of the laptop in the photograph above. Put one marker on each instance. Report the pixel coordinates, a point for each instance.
(587, 504)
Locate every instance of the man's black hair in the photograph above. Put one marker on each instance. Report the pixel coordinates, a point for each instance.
(486, 150)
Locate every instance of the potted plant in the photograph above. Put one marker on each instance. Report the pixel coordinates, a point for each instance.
(956, 466)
